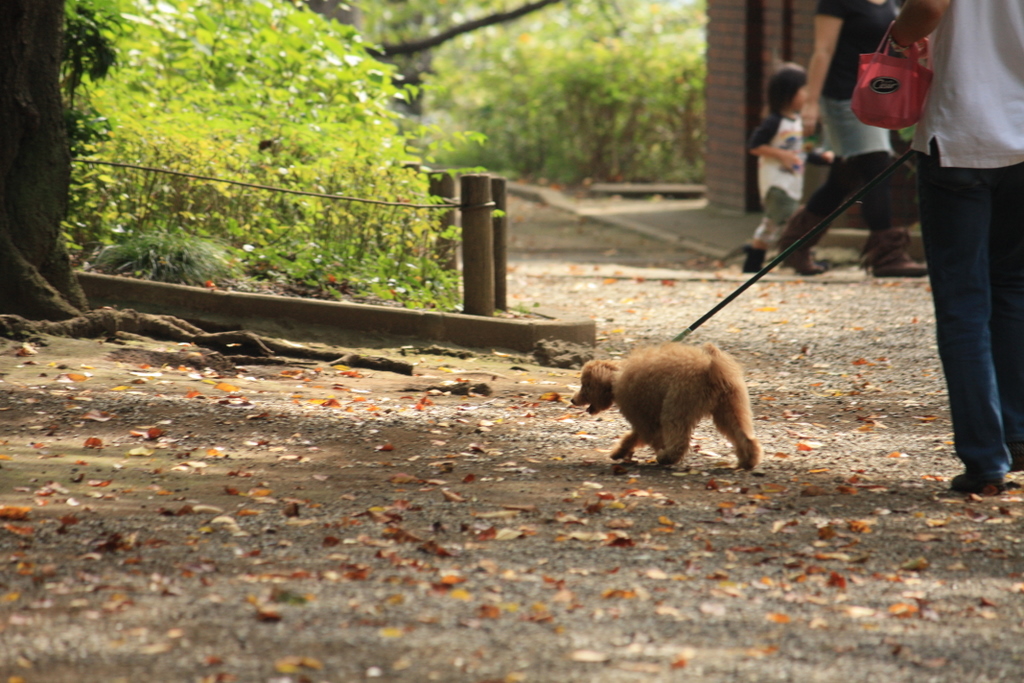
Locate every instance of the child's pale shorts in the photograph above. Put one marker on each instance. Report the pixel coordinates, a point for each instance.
(779, 206)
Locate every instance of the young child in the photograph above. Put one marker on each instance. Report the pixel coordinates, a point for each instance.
(778, 144)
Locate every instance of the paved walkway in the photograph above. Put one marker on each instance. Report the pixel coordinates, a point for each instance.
(687, 223)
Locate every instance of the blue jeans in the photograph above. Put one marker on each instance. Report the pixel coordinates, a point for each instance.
(972, 224)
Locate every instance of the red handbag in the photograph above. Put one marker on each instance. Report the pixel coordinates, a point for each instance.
(891, 90)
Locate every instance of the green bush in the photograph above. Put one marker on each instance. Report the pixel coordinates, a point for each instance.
(269, 93)
(167, 257)
(563, 101)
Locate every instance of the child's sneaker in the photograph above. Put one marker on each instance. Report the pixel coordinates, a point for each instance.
(755, 261)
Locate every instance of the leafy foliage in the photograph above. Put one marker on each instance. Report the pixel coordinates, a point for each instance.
(89, 55)
(263, 92)
(588, 91)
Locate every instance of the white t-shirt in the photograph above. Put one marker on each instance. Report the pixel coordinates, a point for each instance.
(975, 108)
(786, 133)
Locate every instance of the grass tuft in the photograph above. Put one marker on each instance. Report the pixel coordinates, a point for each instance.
(176, 257)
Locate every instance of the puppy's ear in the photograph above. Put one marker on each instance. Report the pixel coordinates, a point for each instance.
(598, 376)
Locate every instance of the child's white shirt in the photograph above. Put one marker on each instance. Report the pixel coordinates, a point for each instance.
(781, 132)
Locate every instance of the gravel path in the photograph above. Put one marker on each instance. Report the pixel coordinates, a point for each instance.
(315, 524)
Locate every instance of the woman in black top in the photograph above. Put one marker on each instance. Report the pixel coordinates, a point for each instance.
(843, 30)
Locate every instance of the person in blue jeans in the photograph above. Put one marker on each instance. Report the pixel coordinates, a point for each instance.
(970, 144)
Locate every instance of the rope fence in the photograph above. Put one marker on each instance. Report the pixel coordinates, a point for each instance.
(484, 234)
(447, 204)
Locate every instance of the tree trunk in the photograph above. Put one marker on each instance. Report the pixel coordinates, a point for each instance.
(36, 279)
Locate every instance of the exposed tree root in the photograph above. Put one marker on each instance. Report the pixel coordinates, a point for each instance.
(107, 322)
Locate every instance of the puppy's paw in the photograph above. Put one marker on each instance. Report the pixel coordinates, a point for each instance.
(749, 456)
(625, 456)
(669, 457)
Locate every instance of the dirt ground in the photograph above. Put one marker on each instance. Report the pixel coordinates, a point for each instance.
(164, 520)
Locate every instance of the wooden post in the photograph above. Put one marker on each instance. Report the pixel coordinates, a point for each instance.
(477, 245)
(443, 185)
(499, 195)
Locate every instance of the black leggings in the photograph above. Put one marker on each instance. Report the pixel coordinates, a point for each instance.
(847, 175)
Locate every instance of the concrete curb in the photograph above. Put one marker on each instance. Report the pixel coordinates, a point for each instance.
(322, 321)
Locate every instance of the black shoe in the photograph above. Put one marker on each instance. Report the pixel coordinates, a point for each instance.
(1017, 453)
(755, 261)
(963, 483)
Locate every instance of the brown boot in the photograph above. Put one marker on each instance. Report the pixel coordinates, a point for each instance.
(801, 260)
(885, 254)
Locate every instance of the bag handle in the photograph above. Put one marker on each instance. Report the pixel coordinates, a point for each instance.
(912, 51)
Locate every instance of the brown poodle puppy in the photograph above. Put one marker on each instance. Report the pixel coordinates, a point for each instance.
(664, 391)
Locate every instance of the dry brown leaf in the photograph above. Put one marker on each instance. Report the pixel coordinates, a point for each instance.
(15, 513)
(452, 496)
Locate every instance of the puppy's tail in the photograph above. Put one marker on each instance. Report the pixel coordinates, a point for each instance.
(724, 368)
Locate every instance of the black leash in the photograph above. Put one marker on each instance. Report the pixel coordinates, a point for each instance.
(856, 197)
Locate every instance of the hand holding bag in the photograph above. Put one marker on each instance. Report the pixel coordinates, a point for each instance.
(891, 90)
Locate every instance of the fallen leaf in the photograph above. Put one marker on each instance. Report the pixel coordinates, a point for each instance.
(156, 648)
(488, 611)
(507, 534)
(293, 664)
(681, 660)
(915, 565)
(435, 548)
(15, 513)
(712, 609)
(268, 614)
(591, 656)
(452, 496)
(903, 610)
(496, 514)
(836, 580)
